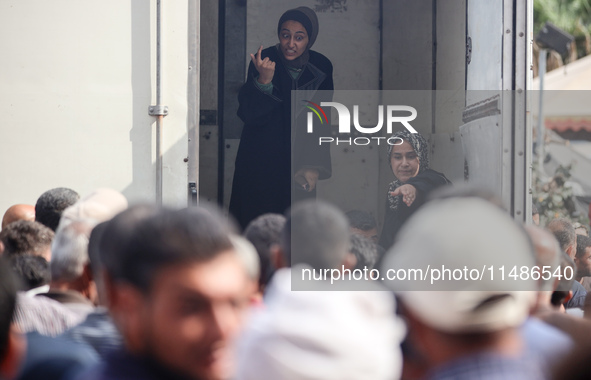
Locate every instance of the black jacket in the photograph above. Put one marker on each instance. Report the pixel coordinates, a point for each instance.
(263, 172)
(424, 182)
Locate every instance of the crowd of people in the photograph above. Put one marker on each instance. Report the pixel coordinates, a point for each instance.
(95, 288)
(92, 288)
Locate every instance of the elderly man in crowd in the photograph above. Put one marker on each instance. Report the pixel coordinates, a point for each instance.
(72, 283)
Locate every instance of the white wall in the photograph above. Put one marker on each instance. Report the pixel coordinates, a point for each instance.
(76, 80)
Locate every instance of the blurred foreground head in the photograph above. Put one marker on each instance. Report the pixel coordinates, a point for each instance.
(466, 318)
(464, 232)
(11, 347)
(97, 207)
(179, 291)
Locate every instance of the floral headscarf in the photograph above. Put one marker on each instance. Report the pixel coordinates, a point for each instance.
(421, 148)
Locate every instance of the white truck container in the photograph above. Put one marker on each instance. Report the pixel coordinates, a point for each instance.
(78, 78)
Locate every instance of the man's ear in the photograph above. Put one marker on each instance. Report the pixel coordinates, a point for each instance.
(277, 257)
(571, 252)
(88, 286)
(349, 261)
(14, 354)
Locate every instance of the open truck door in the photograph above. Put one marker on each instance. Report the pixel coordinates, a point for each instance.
(470, 57)
(496, 137)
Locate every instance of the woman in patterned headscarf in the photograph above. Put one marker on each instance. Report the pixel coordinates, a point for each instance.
(409, 160)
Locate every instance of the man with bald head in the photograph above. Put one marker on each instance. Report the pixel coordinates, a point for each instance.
(18, 212)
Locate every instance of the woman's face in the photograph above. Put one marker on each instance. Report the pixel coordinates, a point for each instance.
(293, 39)
(404, 161)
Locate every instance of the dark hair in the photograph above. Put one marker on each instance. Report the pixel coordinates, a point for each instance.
(171, 237)
(7, 303)
(317, 234)
(365, 251)
(263, 232)
(52, 203)
(563, 231)
(582, 243)
(33, 271)
(25, 237)
(361, 220)
(93, 248)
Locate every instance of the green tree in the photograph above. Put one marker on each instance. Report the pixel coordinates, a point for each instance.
(572, 16)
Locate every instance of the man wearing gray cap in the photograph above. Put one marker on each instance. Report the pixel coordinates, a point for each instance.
(466, 326)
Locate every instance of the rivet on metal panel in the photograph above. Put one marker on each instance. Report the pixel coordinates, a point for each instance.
(518, 212)
(508, 31)
(506, 151)
(520, 34)
(186, 159)
(520, 153)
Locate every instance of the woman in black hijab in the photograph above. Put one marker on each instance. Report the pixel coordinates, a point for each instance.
(265, 169)
(414, 180)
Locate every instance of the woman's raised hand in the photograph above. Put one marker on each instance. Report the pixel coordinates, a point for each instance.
(265, 67)
(408, 192)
